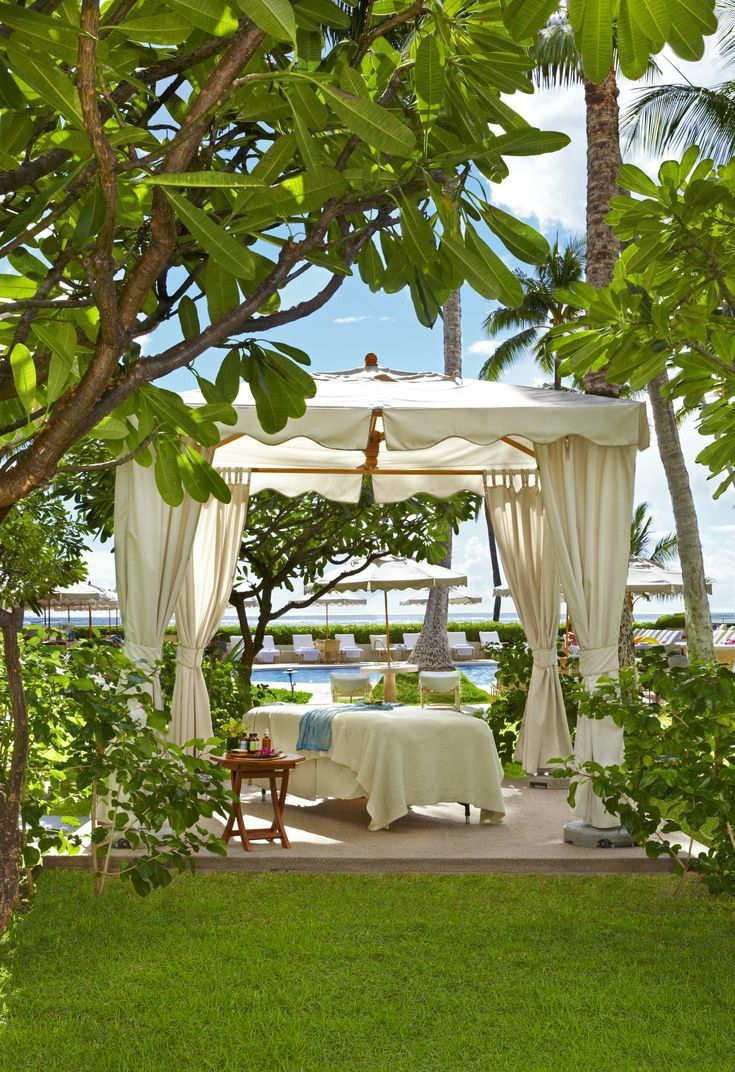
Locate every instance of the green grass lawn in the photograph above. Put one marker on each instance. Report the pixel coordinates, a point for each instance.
(407, 690)
(365, 973)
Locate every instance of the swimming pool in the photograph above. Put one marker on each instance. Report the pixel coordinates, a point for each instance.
(481, 674)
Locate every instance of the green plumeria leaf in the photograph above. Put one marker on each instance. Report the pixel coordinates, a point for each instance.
(373, 124)
(275, 17)
(213, 238)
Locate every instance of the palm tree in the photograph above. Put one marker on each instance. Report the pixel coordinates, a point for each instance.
(559, 63)
(665, 550)
(671, 117)
(540, 310)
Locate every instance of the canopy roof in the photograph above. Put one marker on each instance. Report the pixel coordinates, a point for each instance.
(414, 432)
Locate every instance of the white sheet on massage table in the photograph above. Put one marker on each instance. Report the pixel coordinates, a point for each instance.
(408, 755)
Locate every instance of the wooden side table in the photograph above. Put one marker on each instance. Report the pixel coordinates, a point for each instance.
(272, 769)
(329, 649)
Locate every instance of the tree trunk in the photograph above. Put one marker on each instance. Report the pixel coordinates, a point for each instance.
(626, 647)
(432, 647)
(11, 794)
(452, 319)
(603, 162)
(696, 601)
(494, 562)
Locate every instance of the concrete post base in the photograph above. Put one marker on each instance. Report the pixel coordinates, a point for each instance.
(586, 836)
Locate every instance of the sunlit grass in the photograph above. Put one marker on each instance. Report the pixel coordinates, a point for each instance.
(371, 973)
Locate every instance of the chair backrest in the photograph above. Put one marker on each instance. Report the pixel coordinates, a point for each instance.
(409, 639)
(457, 638)
(349, 684)
(268, 644)
(377, 641)
(347, 640)
(439, 680)
(302, 640)
(489, 638)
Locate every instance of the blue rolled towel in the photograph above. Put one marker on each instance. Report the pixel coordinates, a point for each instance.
(315, 728)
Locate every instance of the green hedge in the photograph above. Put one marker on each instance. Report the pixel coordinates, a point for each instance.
(670, 621)
(283, 632)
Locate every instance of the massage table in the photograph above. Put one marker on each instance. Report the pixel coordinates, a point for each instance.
(395, 758)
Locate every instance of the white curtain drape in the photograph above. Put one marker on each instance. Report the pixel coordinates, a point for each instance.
(516, 508)
(202, 602)
(588, 492)
(153, 542)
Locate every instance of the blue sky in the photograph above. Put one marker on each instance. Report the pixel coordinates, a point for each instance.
(549, 193)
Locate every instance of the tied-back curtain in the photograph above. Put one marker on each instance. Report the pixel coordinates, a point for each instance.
(202, 602)
(588, 491)
(152, 546)
(516, 507)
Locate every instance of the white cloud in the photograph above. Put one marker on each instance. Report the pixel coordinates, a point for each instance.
(351, 319)
(483, 347)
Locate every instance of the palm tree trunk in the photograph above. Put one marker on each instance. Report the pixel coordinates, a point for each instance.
(432, 647)
(696, 601)
(603, 162)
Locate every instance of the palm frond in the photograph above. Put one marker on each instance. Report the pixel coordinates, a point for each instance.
(669, 118)
(726, 29)
(506, 355)
(639, 530)
(558, 63)
(529, 313)
(666, 549)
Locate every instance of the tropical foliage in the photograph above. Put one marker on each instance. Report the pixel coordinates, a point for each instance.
(542, 308)
(181, 163)
(664, 550)
(671, 304)
(678, 771)
(666, 118)
(85, 738)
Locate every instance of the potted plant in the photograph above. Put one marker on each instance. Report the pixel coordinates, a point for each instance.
(233, 730)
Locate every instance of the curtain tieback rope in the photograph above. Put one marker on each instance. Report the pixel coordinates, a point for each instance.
(544, 658)
(191, 658)
(598, 662)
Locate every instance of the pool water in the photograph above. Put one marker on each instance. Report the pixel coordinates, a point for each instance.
(480, 674)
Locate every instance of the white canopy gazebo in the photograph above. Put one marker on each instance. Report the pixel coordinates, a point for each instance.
(556, 470)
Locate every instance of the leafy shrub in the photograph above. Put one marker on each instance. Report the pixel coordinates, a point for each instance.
(678, 772)
(85, 733)
(670, 621)
(227, 698)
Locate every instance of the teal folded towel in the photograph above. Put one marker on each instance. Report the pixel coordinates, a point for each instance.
(376, 706)
(315, 728)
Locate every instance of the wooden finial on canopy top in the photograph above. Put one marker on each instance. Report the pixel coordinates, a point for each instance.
(371, 360)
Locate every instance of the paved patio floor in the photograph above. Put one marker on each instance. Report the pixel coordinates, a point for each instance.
(333, 835)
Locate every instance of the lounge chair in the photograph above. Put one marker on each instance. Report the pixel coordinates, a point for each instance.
(377, 643)
(490, 640)
(269, 653)
(348, 649)
(439, 683)
(410, 639)
(304, 649)
(459, 646)
(350, 686)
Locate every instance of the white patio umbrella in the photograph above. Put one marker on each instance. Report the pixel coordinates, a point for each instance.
(644, 578)
(335, 601)
(395, 572)
(81, 596)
